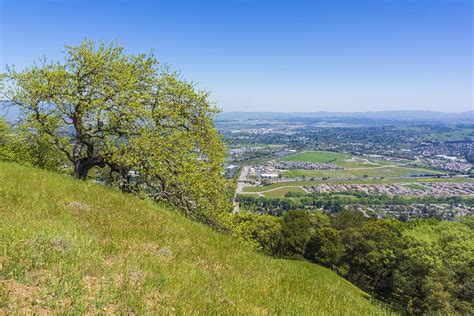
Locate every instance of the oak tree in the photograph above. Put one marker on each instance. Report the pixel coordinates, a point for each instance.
(125, 114)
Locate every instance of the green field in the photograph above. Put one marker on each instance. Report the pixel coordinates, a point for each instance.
(299, 173)
(74, 247)
(282, 191)
(361, 181)
(318, 156)
(354, 167)
(392, 171)
(359, 163)
(389, 171)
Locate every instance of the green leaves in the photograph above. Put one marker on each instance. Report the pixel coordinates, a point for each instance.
(436, 271)
(296, 231)
(102, 108)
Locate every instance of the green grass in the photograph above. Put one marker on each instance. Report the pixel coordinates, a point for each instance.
(362, 181)
(355, 167)
(298, 173)
(282, 191)
(71, 247)
(318, 156)
(389, 171)
(348, 163)
(392, 172)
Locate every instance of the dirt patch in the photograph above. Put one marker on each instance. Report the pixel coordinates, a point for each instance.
(77, 206)
(159, 302)
(110, 309)
(134, 279)
(92, 284)
(161, 252)
(47, 245)
(17, 298)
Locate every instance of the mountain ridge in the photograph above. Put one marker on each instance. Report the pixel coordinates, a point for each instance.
(396, 114)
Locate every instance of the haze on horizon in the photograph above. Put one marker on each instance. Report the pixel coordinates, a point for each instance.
(279, 56)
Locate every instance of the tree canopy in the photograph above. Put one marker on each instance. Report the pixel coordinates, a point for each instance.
(144, 127)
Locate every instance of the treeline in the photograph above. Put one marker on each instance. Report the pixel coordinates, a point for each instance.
(424, 266)
(335, 202)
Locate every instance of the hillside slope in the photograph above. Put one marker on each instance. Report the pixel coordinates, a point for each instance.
(77, 246)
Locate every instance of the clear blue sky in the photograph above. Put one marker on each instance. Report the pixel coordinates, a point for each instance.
(274, 55)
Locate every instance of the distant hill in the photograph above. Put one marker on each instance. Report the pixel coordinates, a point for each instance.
(11, 112)
(390, 115)
(78, 247)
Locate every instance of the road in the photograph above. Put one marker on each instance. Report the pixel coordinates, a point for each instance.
(242, 182)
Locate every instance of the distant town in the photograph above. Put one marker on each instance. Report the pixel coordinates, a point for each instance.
(347, 159)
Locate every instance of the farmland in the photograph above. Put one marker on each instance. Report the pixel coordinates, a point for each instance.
(318, 156)
(349, 166)
(282, 191)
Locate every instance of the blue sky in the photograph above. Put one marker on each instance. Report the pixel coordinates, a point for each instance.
(337, 55)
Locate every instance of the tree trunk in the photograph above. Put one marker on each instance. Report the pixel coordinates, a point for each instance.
(125, 184)
(80, 170)
(125, 179)
(83, 165)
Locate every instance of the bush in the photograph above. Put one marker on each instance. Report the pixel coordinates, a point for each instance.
(325, 247)
(295, 233)
(263, 231)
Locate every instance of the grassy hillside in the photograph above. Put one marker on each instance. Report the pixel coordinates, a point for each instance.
(80, 247)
